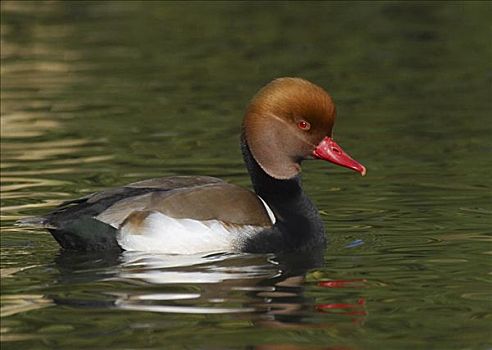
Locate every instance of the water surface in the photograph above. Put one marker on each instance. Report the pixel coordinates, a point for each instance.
(99, 94)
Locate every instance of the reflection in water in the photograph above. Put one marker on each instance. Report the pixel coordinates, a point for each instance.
(265, 291)
(162, 269)
(218, 276)
(269, 288)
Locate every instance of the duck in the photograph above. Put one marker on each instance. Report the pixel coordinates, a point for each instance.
(288, 121)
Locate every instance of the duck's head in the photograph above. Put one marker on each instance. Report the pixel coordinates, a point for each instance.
(289, 120)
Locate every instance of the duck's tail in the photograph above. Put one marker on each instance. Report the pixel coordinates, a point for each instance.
(35, 221)
(85, 233)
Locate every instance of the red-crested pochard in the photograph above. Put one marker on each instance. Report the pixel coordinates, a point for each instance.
(289, 120)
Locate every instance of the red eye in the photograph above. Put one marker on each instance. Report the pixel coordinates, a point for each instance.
(304, 125)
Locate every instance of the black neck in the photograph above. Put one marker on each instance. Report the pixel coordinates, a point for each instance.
(265, 185)
(297, 217)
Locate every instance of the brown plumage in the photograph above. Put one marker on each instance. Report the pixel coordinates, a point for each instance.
(216, 200)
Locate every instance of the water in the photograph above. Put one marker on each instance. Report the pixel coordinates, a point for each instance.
(97, 94)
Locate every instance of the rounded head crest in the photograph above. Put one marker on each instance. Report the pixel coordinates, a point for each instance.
(284, 122)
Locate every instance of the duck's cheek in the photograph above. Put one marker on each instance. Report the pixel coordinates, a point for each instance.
(305, 150)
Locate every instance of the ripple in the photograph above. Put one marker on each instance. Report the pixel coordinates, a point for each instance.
(23, 183)
(183, 309)
(44, 150)
(18, 303)
(480, 296)
(25, 125)
(476, 210)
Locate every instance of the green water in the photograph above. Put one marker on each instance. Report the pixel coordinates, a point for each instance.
(99, 94)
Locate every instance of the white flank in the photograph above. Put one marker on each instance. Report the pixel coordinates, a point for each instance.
(159, 233)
